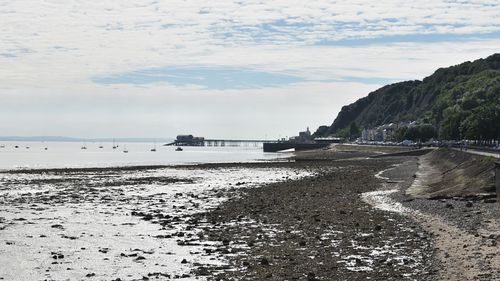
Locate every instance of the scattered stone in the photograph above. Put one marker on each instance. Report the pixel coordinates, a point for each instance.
(264, 261)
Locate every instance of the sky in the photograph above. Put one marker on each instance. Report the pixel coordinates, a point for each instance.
(219, 69)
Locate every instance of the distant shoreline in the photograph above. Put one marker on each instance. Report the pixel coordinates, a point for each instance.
(74, 139)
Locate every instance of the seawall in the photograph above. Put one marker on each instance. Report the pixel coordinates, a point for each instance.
(446, 173)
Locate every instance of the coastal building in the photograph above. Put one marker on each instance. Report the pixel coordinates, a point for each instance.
(303, 137)
(189, 140)
(382, 133)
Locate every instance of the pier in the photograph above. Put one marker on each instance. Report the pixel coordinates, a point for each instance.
(303, 141)
(190, 140)
(231, 142)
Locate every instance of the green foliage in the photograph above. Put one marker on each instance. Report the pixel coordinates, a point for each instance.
(321, 131)
(488, 159)
(420, 133)
(471, 108)
(399, 134)
(462, 101)
(350, 132)
(354, 130)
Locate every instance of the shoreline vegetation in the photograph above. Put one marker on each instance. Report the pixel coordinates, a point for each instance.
(349, 218)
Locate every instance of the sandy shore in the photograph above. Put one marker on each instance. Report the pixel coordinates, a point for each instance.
(329, 215)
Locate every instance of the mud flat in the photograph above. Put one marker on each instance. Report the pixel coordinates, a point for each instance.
(115, 223)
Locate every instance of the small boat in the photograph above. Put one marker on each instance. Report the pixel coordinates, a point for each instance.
(178, 149)
(154, 148)
(83, 147)
(17, 146)
(125, 150)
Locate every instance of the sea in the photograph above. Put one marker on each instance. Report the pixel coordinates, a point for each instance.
(34, 155)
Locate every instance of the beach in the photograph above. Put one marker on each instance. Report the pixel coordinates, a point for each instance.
(332, 214)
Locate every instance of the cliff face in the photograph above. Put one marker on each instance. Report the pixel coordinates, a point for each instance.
(452, 99)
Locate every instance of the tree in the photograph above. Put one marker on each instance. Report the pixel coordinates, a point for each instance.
(350, 132)
(399, 134)
(354, 130)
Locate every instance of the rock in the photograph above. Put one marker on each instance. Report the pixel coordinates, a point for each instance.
(449, 206)
(104, 250)
(184, 261)
(311, 276)
(302, 243)
(90, 275)
(203, 271)
(468, 204)
(264, 261)
(377, 228)
(147, 217)
(57, 256)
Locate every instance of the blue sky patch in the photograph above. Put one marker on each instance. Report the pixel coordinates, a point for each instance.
(415, 38)
(215, 78)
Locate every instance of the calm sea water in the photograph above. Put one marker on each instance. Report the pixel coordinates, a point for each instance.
(70, 154)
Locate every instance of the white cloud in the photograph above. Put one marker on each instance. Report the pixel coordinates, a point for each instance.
(51, 50)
